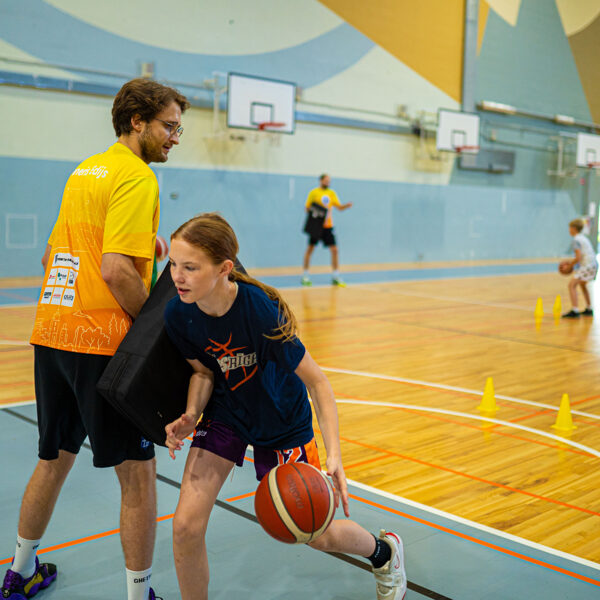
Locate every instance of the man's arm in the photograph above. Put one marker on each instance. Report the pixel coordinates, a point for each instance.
(336, 202)
(46, 256)
(124, 282)
(309, 201)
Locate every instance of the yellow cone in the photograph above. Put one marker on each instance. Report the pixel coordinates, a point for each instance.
(539, 309)
(488, 402)
(557, 308)
(564, 421)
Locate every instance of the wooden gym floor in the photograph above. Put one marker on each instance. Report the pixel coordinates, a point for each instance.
(408, 361)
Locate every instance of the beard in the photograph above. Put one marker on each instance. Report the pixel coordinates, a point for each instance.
(151, 148)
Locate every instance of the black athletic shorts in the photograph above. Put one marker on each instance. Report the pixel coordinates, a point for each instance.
(326, 237)
(69, 408)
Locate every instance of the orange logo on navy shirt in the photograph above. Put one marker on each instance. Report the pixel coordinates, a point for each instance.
(230, 360)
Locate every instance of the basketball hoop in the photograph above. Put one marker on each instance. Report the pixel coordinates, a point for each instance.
(594, 166)
(269, 125)
(466, 149)
(271, 128)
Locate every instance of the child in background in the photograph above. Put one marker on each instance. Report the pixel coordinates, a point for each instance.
(585, 268)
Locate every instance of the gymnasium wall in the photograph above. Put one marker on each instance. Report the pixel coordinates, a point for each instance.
(366, 72)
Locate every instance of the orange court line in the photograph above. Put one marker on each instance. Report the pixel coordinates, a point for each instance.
(328, 356)
(16, 384)
(365, 501)
(503, 433)
(537, 413)
(16, 399)
(479, 427)
(581, 400)
(365, 462)
(590, 423)
(23, 360)
(234, 498)
(3, 292)
(18, 347)
(89, 538)
(469, 538)
(464, 395)
(473, 477)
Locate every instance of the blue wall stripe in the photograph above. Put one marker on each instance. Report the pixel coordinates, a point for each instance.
(70, 85)
(389, 222)
(40, 30)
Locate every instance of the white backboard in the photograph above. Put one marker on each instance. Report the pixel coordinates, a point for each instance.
(457, 130)
(588, 149)
(255, 100)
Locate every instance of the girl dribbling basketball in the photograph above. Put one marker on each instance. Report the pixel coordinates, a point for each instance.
(239, 335)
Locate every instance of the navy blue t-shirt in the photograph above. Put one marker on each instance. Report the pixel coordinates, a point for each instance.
(256, 391)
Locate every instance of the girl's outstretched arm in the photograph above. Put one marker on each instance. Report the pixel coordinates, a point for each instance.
(199, 391)
(321, 394)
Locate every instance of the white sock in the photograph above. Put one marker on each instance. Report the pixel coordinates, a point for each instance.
(306, 273)
(336, 274)
(24, 563)
(138, 584)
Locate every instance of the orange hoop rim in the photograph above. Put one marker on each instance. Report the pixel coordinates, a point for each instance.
(269, 125)
(460, 149)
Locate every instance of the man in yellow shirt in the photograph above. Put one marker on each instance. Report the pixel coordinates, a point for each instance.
(98, 268)
(325, 198)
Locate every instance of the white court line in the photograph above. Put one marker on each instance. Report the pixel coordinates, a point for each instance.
(15, 404)
(453, 388)
(458, 300)
(475, 525)
(456, 413)
(13, 343)
(435, 511)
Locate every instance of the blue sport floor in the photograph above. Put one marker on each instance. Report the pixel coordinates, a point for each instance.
(445, 558)
(30, 295)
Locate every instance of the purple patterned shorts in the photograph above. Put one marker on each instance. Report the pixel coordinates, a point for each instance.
(220, 439)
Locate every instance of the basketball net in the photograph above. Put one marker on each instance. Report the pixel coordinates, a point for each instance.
(466, 149)
(270, 130)
(594, 166)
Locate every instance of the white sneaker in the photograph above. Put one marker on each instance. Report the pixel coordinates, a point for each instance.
(391, 578)
(306, 281)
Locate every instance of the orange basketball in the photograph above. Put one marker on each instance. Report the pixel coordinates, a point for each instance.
(565, 267)
(294, 503)
(162, 248)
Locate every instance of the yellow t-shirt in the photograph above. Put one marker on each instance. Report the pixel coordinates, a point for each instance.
(110, 204)
(327, 198)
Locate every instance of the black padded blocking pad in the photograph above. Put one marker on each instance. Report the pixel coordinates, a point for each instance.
(315, 220)
(147, 379)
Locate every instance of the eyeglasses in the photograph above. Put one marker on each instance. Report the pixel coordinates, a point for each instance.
(172, 127)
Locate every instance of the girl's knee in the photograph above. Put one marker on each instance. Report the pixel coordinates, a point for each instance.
(323, 542)
(186, 529)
